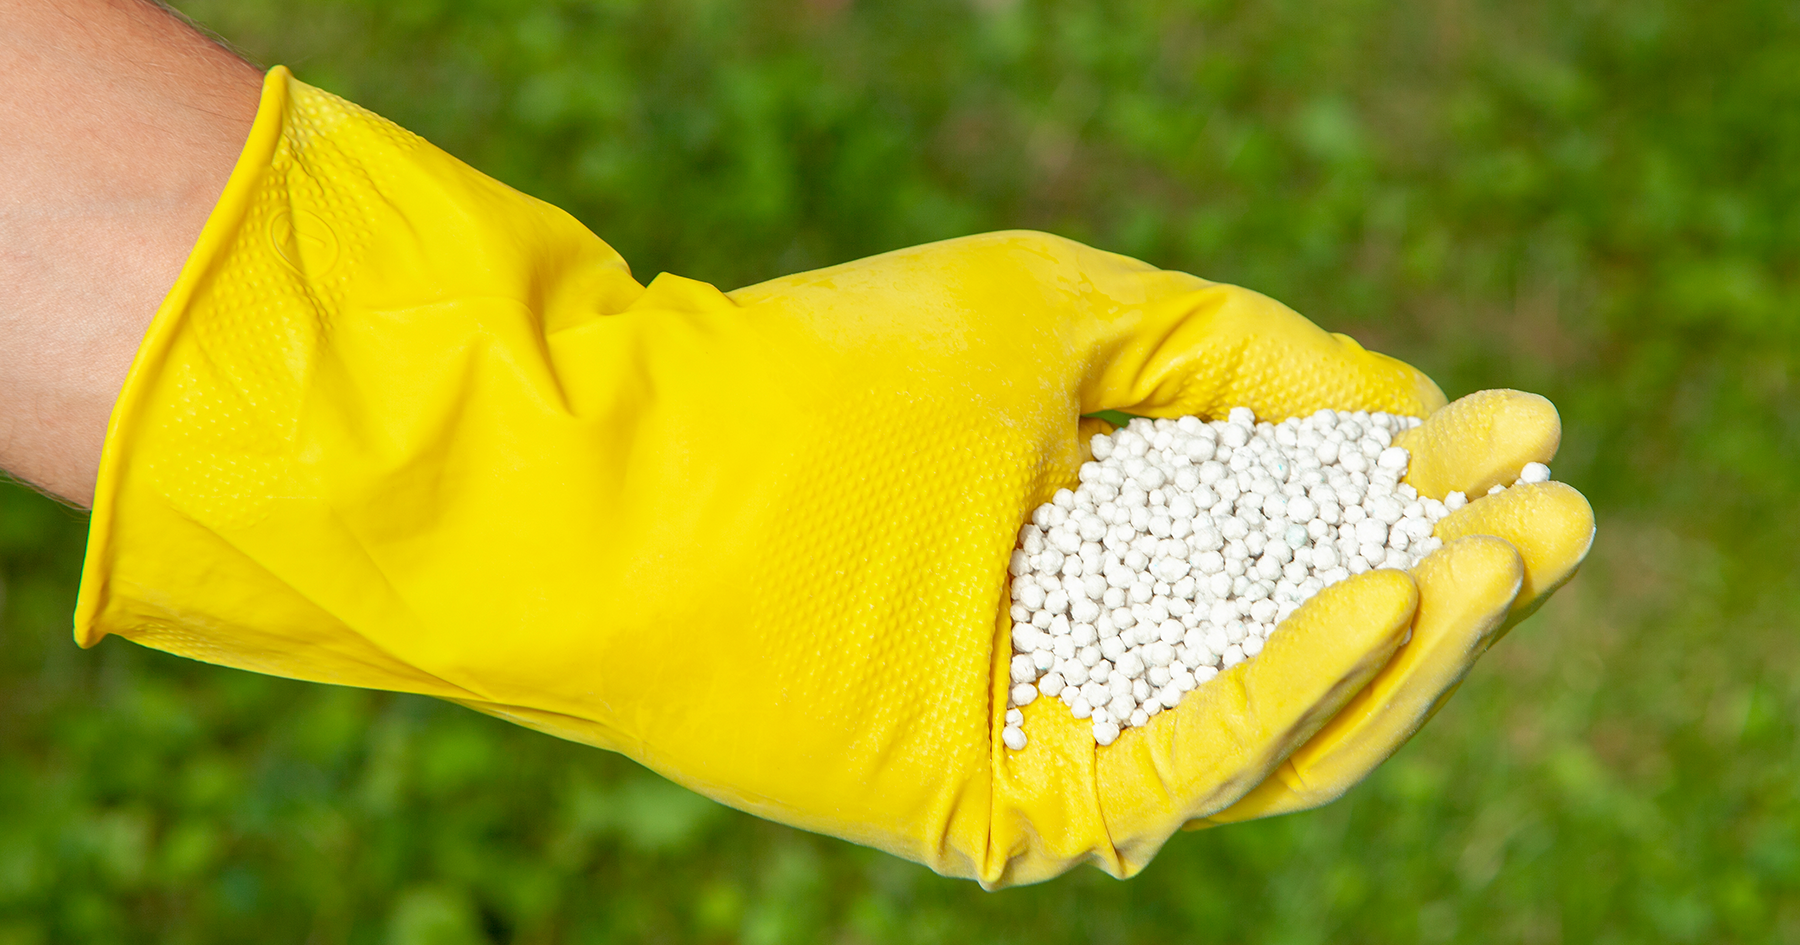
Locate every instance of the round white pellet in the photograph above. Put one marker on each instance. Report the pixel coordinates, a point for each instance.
(1371, 531)
(1121, 707)
(1024, 694)
(1013, 737)
(1534, 472)
(1386, 509)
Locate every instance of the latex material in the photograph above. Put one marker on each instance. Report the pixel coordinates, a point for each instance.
(399, 426)
(1481, 441)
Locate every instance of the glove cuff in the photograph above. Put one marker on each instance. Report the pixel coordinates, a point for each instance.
(337, 239)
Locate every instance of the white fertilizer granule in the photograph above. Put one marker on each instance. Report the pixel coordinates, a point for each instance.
(1188, 542)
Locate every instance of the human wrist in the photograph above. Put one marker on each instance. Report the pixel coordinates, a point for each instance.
(118, 131)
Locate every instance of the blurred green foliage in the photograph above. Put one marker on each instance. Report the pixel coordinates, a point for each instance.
(1597, 200)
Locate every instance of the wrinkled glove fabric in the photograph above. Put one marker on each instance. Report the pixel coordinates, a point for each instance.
(399, 426)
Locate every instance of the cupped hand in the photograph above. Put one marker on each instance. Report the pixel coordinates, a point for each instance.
(399, 426)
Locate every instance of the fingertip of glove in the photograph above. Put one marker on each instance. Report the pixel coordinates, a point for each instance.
(1467, 585)
(1480, 441)
(1550, 524)
(1353, 614)
(1336, 641)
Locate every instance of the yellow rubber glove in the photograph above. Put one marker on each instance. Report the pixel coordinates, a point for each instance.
(399, 426)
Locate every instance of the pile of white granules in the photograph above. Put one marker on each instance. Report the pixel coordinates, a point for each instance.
(1187, 542)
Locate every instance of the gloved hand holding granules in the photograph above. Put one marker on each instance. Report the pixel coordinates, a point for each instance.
(399, 426)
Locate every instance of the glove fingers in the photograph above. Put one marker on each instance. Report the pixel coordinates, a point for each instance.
(1225, 737)
(1550, 523)
(1480, 441)
(1205, 351)
(1472, 592)
(1466, 590)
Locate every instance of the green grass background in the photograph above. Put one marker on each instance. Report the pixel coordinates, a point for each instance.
(1592, 199)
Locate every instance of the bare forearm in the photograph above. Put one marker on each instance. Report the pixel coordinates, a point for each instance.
(118, 128)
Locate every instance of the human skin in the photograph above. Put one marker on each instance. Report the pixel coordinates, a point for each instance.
(119, 125)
